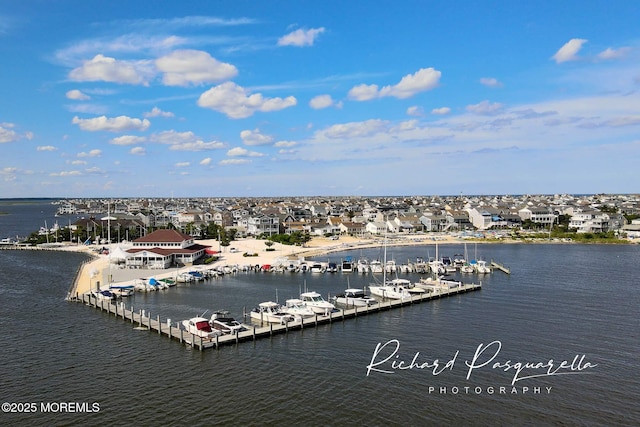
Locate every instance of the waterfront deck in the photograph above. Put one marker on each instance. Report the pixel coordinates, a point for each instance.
(175, 331)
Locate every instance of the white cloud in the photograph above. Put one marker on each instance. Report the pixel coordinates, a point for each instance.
(206, 161)
(441, 111)
(237, 103)
(323, 101)
(234, 162)
(93, 153)
(7, 134)
(484, 108)
(243, 152)
(104, 68)
(285, 144)
(197, 146)
(66, 173)
(254, 137)
(8, 174)
(415, 111)
(76, 95)
(300, 37)
(422, 80)
(46, 148)
(77, 162)
(610, 53)
(490, 82)
(156, 112)
(138, 151)
(115, 124)
(128, 140)
(193, 67)
(569, 52)
(183, 164)
(185, 141)
(353, 129)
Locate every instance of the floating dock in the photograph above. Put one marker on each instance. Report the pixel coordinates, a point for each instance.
(500, 267)
(175, 331)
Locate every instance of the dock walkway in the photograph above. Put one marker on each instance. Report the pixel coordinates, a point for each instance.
(175, 331)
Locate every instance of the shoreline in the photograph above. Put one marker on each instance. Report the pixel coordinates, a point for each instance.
(100, 272)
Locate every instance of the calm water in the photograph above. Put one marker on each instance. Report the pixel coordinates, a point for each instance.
(560, 301)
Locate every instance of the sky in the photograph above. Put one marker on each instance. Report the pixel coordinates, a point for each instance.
(301, 98)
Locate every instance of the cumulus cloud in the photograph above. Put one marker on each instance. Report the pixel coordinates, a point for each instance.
(354, 129)
(46, 148)
(441, 111)
(490, 82)
(156, 112)
(127, 140)
(206, 161)
(185, 141)
(76, 95)
(107, 69)
(485, 108)
(114, 124)
(138, 151)
(7, 134)
(243, 152)
(323, 101)
(411, 84)
(254, 137)
(66, 173)
(193, 67)
(569, 52)
(8, 174)
(237, 103)
(183, 164)
(301, 37)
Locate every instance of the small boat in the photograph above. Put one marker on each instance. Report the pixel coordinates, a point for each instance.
(354, 298)
(221, 321)
(332, 267)
(315, 302)
(122, 291)
(104, 295)
(317, 268)
(481, 267)
(297, 308)
(200, 327)
(185, 278)
(363, 266)
(375, 266)
(271, 312)
(395, 289)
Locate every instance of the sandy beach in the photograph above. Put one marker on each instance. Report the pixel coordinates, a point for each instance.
(100, 272)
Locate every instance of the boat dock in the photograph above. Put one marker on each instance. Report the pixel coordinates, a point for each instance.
(500, 267)
(175, 331)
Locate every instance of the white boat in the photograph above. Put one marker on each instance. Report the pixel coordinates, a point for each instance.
(347, 265)
(200, 327)
(185, 278)
(376, 266)
(122, 290)
(363, 266)
(481, 267)
(317, 267)
(353, 297)
(221, 321)
(271, 312)
(296, 307)
(431, 284)
(104, 295)
(315, 302)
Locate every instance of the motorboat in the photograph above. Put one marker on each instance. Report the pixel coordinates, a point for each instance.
(430, 284)
(296, 307)
(347, 265)
(481, 267)
(353, 297)
(315, 302)
(200, 327)
(395, 289)
(317, 268)
(104, 295)
(271, 312)
(362, 266)
(221, 321)
(122, 290)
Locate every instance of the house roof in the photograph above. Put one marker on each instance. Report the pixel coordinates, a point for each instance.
(164, 236)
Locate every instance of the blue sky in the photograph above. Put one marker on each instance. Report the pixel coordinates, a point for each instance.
(284, 98)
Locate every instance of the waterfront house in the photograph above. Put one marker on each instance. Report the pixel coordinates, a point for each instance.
(162, 248)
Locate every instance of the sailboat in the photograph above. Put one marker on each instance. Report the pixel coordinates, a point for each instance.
(394, 289)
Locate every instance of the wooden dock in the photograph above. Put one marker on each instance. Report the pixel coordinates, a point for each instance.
(175, 330)
(500, 267)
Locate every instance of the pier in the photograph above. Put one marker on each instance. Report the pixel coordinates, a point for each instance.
(500, 267)
(175, 331)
